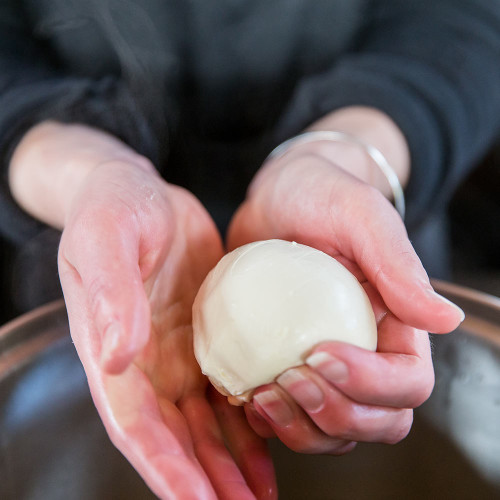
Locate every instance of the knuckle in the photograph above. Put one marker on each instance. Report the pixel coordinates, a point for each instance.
(97, 290)
(330, 446)
(402, 428)
(305, 445)
(424, 389)
(342, 448)
(304, 448)
(368, 197)
(345, 425)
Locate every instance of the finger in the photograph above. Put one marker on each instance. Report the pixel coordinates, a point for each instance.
(257, 423)
(154, 438)
(293, 426)
(219, 465)
(248, 449)
(246, 226)
(337, 415)
(379, 307)
(400, 375)
(380, 245)
(105, 261)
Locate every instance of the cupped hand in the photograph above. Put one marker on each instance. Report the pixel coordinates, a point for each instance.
(133, 254)
(344, 394)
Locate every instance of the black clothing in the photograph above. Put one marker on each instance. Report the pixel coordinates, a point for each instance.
(206, 89)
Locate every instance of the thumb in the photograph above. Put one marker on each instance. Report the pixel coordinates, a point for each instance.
(387, 258)
(106, 265)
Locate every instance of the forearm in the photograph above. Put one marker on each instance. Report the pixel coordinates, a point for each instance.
(52, 161)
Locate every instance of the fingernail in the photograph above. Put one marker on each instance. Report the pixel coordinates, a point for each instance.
(330, 367)
(110, 341)
(444, 300)
(302, 389)
(275, 407)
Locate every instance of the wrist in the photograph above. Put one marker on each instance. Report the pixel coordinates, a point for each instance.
(52, 162)
(330, 137)
(369, 126)
(362, 142)
(348, 157)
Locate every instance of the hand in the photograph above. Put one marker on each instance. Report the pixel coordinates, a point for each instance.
(133, 254)
(345, 394)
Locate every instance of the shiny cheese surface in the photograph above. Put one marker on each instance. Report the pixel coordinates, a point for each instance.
(264, 307)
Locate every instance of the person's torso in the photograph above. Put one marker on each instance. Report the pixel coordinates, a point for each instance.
(232, 63)
(221, 70)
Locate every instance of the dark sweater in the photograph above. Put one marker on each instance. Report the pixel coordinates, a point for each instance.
(206, 88)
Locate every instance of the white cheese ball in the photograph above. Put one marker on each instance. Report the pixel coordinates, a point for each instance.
(264, 307)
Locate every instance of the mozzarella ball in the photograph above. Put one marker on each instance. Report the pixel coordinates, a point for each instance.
(264, 307)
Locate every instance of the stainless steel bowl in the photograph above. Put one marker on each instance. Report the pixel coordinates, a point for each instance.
(53, 445)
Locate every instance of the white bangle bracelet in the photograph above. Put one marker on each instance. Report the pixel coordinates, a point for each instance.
(374, 153)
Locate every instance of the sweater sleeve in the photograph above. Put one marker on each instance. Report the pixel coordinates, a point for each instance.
(433, 66)
(33, 88)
